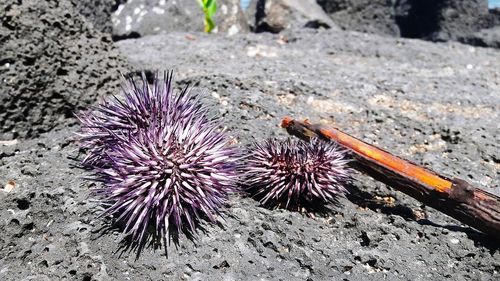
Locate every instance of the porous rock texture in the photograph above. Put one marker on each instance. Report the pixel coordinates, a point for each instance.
(98, 12)
(436, 104)
(52, 62)
(459, 17)
(138, 18)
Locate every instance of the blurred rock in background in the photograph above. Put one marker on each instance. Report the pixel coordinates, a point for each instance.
(489, 35)
(371, 16)
(468, 21)
(145, 17)
(277, 15)
(440, 20)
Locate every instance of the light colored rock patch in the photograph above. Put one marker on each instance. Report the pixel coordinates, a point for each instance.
(262, 51)
(141, 16)
(419, 111)
(158, 10)
(434, 143)
(119, 9)
(128, 23)
(232, 30)
(224, 9)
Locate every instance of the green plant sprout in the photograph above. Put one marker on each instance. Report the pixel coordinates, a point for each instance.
(209, 9)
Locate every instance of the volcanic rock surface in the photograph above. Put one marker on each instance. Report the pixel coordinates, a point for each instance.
(97, 12)
(436, 104)
(52, 61)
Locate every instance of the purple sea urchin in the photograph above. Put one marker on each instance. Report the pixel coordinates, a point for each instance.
(162, 158)
(296, 173)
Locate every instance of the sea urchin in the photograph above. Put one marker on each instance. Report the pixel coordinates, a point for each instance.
(294, 174)
(162, 158)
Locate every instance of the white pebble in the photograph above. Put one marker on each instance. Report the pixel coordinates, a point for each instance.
(158, 11)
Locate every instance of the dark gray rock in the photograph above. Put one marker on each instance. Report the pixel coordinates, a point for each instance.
(332, 6)
(98, 12)
(145, 17)
(52, 63)
(277, 15)
(457, 18)
(493, 18)
(436, 20)
(484, 38)
(370, 16)
(489, 35)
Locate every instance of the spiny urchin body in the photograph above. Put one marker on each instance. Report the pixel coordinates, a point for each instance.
(162, 158)
(293, 173)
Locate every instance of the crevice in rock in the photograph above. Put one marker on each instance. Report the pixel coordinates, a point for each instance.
(131, 35)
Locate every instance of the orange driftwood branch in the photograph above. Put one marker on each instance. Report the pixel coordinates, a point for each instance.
(454, 197)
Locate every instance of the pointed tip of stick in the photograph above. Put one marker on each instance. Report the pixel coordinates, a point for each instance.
(286, 122)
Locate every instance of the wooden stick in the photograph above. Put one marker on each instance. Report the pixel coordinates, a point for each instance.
(454, 197)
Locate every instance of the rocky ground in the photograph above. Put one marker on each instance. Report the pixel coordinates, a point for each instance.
(434, 103)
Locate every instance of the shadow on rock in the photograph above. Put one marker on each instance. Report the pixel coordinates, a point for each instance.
(308, 207)
(151, 239)
(367, 200)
